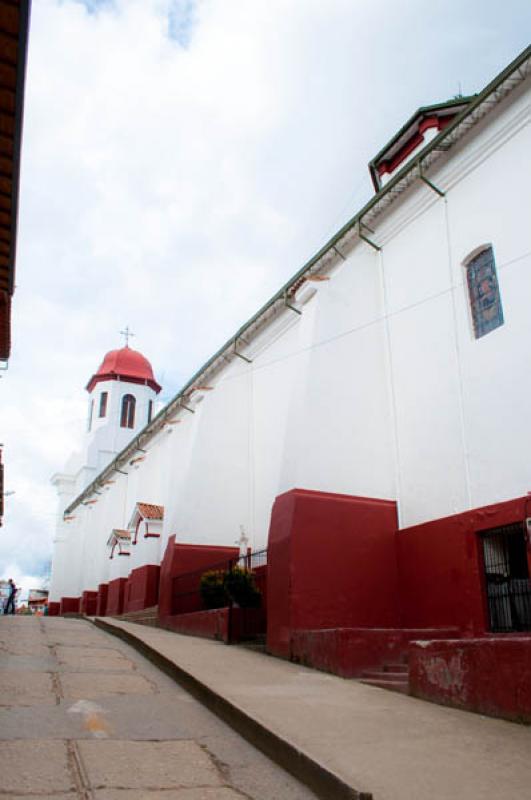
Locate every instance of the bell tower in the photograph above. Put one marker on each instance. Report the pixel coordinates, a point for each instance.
(121, 402)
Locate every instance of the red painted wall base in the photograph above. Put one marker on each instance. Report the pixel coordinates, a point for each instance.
(101, 607)
(350, 651)
(115, 597)
(142, 588)
(489, 675)
(213, 624)
(69, 605)
(216, 623)
(441, 567)
(54, 609)
(348, 590)
(89, 603)
(331, 564)
(186, 560)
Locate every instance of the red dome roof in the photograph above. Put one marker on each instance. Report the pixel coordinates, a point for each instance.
(125, 364)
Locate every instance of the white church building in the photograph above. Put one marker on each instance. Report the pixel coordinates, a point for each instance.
(393, 365)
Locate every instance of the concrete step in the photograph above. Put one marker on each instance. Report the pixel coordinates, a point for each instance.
(403, 668)
(148, 619)
(258, 645)
(146, 616)
(393, 676)
(386, 675)
(382, 683)
(141, 612)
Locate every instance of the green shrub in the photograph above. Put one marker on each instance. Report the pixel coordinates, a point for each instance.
(240, 586)
(212, 589)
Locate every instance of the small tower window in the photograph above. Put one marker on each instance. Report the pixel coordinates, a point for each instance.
(484, 292)
(103, 403)
(127, 418)
(150, 410)
(90, 414)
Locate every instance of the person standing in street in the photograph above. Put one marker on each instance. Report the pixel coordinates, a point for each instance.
(10, 603)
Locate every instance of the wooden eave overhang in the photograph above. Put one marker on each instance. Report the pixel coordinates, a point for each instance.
(151, 511)
(119, 535)
(14, 25)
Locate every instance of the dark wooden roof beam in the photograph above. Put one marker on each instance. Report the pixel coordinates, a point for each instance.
(8, 49)
(6, 146)
(7, 100)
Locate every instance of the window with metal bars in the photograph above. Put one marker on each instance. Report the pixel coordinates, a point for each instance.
(507, 578)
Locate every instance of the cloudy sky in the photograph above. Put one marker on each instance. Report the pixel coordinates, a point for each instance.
(181, 160)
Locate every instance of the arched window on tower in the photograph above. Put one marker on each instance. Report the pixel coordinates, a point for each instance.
(483, 291)
(127, 418)
(103, 403)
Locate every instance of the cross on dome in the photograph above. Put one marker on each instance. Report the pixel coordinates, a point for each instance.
(128, 334)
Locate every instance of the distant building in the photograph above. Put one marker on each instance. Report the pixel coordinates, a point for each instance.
(37, 600)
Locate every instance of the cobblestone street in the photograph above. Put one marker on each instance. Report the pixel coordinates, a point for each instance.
(84, 716)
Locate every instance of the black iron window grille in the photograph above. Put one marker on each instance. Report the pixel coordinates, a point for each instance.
(507, 578)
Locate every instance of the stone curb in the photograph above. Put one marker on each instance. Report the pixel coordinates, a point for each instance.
(326, 784)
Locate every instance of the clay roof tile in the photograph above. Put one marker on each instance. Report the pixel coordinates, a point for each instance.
(150, 511)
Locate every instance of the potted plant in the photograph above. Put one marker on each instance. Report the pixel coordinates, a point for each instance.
(212, 589)
(240, 586)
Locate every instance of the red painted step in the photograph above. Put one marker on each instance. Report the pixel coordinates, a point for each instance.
(394, 686)
(390, 676)
(385, 675)
(148, 616)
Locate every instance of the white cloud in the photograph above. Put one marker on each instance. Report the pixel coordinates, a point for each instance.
(181, 160)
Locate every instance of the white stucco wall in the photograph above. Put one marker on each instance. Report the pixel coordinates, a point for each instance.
(378, 389)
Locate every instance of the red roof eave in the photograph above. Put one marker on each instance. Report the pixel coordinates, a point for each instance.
(417, 138)
(113, 376)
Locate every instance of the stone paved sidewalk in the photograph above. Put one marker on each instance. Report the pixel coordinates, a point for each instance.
(84, 716)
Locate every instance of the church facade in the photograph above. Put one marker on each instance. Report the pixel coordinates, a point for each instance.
(392, 366)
